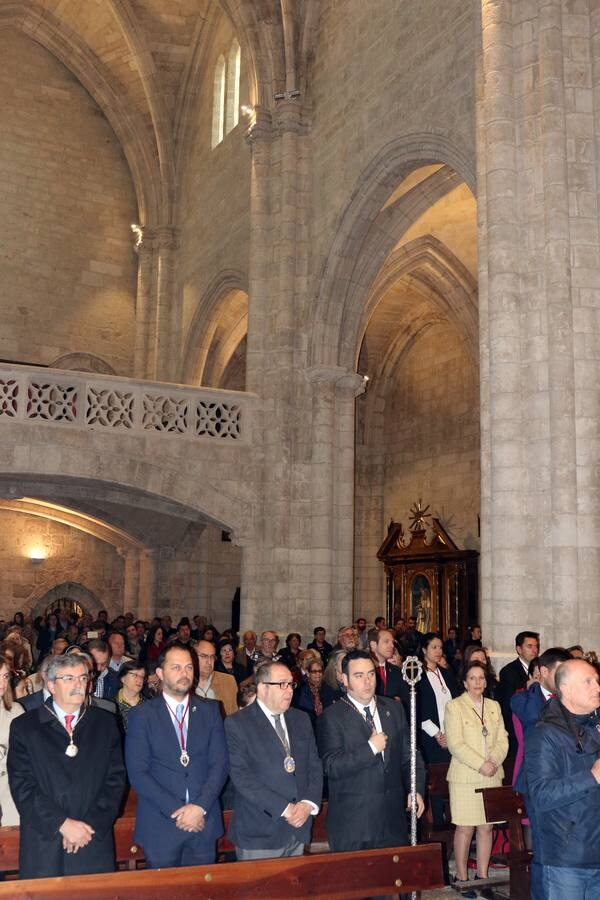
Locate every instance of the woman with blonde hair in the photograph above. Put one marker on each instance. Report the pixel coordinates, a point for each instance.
(9, 710)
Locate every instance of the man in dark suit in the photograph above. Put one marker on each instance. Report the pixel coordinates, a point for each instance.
(177, 763)
(390, 682)
(66, 776)
(275, 770)
(513, 678)
(365, 747)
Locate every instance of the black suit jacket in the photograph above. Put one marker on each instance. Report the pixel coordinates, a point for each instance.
(427, 709)
(263, 788)
(395, 686)
(48, 787)
(367, 793)
(513, 678)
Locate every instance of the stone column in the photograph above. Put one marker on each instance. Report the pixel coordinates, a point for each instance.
(539, 299)
(143, 362)
(167, 325)
(131, 578)
(148, 577)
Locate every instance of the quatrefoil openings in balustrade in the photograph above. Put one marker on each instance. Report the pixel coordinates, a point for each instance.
(109, 408)
(166, 414)
(218, 419)
(9, 394)
(52, 401)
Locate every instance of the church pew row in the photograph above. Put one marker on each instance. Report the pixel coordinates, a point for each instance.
(337, 876)
(502, 804)
(130, 854)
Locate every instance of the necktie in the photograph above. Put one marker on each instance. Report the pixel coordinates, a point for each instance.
(69, 721)
(369, 718)
(179, 712)
(279, 730)
(382, 672)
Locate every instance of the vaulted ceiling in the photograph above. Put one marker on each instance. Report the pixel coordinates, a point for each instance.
(141, 60)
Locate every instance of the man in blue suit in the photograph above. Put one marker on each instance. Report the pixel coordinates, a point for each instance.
(275, 770)
(176, 760)
(527, 705)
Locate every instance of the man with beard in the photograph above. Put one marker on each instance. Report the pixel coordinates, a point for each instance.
(177, 763)
(66, 776)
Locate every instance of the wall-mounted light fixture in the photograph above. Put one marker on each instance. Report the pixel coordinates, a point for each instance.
(37, 554)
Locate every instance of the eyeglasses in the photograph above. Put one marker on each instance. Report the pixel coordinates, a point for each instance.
(314, 669)
(283, 685)
(207, 656)
(70, 679)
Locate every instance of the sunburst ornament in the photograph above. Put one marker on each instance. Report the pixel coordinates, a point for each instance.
(419, 516)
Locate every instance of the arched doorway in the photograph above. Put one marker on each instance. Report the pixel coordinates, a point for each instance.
(70, 597)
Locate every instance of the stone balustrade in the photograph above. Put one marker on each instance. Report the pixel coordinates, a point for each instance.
(81, 400)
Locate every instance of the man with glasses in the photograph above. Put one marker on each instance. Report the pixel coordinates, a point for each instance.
(177, 763)
(66, 776)
(365, 747)
(275, 770)
(215, 685)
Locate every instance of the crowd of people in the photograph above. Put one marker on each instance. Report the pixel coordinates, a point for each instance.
(268, 730)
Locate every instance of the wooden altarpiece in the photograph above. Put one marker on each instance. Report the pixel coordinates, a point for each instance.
(429, 577)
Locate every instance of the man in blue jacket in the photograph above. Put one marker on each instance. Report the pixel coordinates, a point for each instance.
(562, 769)
(177, 762)
(527, 705)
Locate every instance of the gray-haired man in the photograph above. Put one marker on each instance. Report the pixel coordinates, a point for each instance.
(66, 776)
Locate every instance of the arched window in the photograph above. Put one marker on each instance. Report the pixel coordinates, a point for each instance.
(226, 93)
(233, 86)
(218, 116)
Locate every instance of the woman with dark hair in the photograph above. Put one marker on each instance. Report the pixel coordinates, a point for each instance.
(226, 661)
(210, 634)
(436, 687)
(289, 654)
(9, 710)
(478, 744)
(132, 677)
(154, 646)
(19, 619)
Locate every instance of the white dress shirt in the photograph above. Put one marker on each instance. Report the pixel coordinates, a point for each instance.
(441, 699)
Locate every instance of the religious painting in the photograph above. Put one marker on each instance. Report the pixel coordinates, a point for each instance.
(420, 594)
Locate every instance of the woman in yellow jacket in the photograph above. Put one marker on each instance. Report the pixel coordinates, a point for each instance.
(478, 744)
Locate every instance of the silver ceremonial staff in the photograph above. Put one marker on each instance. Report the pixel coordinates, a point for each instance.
(411, 672)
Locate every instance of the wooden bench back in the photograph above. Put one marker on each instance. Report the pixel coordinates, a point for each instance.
(336, 876)
(502, 804)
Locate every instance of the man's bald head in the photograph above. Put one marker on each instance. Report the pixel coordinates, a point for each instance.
(577, 686)
(207, 656)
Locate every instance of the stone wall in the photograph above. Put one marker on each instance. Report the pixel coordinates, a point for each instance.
(72, 556)
(421, 442)
(67, 266)
(214, 194)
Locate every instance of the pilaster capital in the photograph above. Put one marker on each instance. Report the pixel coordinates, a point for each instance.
(339, 377)
(165, 237)
(241, 539)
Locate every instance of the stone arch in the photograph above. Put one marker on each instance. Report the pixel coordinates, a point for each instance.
(83, 362)
(221, 315)
(71, 589)
(371, 224)
(434, 272)
(43, 28)
(162, 476)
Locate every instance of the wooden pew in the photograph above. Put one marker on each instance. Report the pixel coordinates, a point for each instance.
(336, 876)
(502, 804)
(437, 786)
(129, 854)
